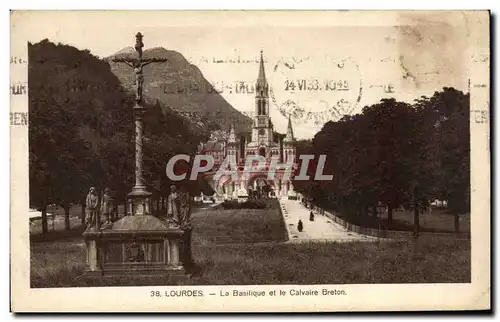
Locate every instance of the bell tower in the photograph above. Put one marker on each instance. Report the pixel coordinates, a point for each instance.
(262, 131)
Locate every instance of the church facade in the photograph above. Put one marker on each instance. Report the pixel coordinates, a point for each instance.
(263, 141)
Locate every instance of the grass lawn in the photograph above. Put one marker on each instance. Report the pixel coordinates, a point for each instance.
(57, 224)
(219, 226)
(238, 257)
(426, 261)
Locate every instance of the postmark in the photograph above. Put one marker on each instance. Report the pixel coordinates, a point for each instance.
(312, 95)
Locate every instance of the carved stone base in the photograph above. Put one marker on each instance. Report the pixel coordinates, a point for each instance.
(146, 270)
(126, 279)
(139, 246)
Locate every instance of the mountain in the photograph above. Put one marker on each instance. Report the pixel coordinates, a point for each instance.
(181, 86)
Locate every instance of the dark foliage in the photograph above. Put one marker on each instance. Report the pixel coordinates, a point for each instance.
(81, 129)
(394, 155)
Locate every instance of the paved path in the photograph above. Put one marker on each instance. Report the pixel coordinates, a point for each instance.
(321, 229)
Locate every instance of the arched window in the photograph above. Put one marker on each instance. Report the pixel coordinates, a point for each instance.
(262, 151)
(264, 108)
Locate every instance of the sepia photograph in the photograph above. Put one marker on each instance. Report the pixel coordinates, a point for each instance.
(250, 156)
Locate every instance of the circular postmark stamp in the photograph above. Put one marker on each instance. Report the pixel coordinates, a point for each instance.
(313, 90)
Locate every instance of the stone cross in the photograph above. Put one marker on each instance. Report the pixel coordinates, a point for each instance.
(138, 63)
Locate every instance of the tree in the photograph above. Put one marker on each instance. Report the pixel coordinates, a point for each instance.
(67, 100)
(302, 147)
(446, 116)
(82, 130)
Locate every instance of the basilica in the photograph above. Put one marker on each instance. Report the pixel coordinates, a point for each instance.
(263, 141)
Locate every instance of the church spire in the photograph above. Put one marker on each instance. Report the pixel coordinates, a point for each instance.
(289, 131)
(261, 87)
(261, 79)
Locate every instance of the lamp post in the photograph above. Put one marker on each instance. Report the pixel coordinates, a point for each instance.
(138, 201)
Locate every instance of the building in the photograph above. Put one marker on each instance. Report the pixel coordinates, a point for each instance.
(216, 147)
(262, 142)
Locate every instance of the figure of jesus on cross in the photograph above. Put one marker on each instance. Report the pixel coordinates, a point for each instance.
(138, 203)
(137, 64)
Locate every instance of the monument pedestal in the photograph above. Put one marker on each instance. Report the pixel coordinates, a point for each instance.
(138, 246)
(139, 201)
(93, 265)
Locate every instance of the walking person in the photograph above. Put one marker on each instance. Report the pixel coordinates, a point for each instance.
(300, 226)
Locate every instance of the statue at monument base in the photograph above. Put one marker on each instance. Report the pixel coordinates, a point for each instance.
(173, 207)
(91, 202)
(107, 209)
(144, 245)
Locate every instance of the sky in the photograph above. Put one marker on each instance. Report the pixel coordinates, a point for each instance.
(319, 65)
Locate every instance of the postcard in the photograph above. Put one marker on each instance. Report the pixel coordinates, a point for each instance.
(250, 161)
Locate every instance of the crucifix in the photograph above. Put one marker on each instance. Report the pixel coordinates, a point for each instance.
(139, 199)
(138, 64)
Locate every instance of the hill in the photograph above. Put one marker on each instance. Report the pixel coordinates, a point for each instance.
(182, 87)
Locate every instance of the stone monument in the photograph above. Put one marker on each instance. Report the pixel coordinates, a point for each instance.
(140, 243)
(242, 193)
